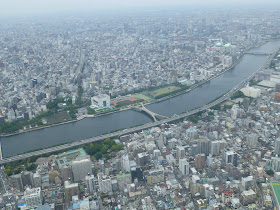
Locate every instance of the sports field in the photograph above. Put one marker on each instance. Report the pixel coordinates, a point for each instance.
(276, 189)
(162, 91)
(127, 99)
(142, 96)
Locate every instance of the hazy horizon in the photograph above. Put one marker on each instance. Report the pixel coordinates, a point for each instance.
(37, 7)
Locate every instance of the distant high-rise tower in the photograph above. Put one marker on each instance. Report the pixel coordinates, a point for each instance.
(81, 168)
(246, 103)
(184, 166)
(277, 147)
(277, 93)
(231, 157)
(276, 164)
(252, 139)
(180, 152)
(204, 146)
(200, 161)
(215, 147)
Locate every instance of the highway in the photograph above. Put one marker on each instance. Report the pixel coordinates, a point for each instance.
(223, 98)
(257, 53)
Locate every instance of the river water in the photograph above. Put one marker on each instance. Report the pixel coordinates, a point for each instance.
(91, 127)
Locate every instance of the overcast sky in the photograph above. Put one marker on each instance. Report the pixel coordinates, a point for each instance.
(25, 7)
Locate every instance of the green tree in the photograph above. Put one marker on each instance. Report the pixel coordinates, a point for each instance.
(8, 170)
(98, 155)
(31, 167)
(104, 149)
(114, 148)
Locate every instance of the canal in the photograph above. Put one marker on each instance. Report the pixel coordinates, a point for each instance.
(90, 127)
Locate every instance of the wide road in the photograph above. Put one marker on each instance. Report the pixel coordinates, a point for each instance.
(223, 98)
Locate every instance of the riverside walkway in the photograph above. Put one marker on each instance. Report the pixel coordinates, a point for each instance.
(223, 98)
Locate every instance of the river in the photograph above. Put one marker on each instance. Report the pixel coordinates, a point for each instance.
(90, 127)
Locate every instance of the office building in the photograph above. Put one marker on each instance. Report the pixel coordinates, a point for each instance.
(142, 158)
(200, 161)
(37, 180)
(16, 182)
(215, 148)
(125, 163)
(203, 146)
(27, 178)
(248, 197)
(194, 150)
(101, 100)
(247, 182)
(276, 164)
(81, 168)
(90, 182)
(66, 172)
(33, 197)
(192, 132)
(277, 147)
(104, 182)
(123, 180)
(252, 139)
(71, 189)
(156, 153)
(231, 157)
(155, 176)
(180, 152)
(184, 166)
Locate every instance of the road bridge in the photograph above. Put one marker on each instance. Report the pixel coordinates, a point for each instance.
(155, 116)
(223, 98)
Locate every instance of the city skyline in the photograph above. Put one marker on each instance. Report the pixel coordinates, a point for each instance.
(52, 7)
(141, 107)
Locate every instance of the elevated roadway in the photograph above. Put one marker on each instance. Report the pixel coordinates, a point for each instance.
(257, 53)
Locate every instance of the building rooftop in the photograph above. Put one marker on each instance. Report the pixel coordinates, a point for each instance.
(123, 175)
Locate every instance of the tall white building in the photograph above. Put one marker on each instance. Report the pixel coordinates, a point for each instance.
(81, 168)
(37, 180)
(156, 153)
(231, 157)
(277, 147)
(33, 197)
(11, 115)
(247, 182)
(184, 166)
(180, 152)
(276, 164)
(192, 132)
(215, 147)
(90, 181)
(209, 161)
(252, 139)
(125, 163)
(104, 182)
(101, 100)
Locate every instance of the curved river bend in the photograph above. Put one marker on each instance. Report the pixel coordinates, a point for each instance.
(91, 127)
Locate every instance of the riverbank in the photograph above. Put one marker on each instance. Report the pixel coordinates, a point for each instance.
(39, 128)
(131, 106)
(198, 84)
(94, 128)
(138, 127)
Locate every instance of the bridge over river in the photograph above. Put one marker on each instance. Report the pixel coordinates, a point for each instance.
(175, 117)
